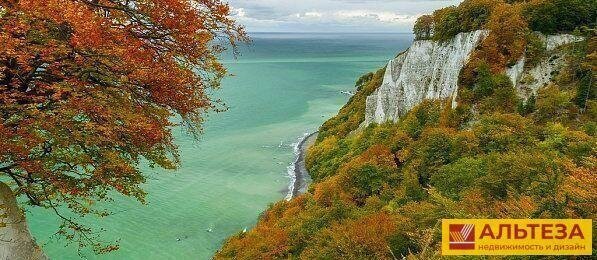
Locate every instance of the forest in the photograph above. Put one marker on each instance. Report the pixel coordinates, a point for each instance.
(381, 191)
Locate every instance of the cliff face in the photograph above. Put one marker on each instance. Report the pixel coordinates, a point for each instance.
(427, 70)
(528, 81)
(15, 240)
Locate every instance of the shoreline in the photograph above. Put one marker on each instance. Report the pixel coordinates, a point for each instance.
(301, 178)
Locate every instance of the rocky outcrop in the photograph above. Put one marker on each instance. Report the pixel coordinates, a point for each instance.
(15, 240)
(430, 70)
(528, 81)
(427, 70)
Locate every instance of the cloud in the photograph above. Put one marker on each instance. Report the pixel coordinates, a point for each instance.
(239, 12)
(312, 14)
(379, 16)
(333, 15)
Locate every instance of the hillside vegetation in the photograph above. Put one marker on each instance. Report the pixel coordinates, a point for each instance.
(381, 191)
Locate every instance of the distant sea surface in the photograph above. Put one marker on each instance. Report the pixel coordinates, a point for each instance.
(283, 86)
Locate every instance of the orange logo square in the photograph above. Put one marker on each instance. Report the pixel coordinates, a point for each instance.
(462, 236)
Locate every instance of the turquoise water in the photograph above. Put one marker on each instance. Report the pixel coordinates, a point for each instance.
(284, 85)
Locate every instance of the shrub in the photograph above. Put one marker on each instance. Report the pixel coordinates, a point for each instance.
(553, 104)
(364, 80)
(552, 16)
(489, 91)
(456, 177)
(446, 23)
(366, 174)
(503, 132)
(474, 14)
(535, 50)
(353, 113)
(423, 28)
(425, 114)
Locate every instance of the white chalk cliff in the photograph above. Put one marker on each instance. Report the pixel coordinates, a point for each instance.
(427, 70)
(528, 81)
(430, 70)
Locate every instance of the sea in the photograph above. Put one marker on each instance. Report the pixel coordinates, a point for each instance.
(282, 86)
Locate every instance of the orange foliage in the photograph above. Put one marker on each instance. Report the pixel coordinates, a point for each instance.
(367, 173)
(420, 214)
(507, 39)
(87, 90)
(331, 190)
(354, 239)
(254, 245)
(517, 207)
(474, 204)
(377, 155)
(579, 189)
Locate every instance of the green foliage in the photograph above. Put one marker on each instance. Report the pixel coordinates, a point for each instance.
(528, 106)
(390, 184)
(426, 114)
(503, 132)
(325, 158)
(474, 14)
(585, 90)
(503, 97)
(547, 16)
(535, 50)
(353, 113)
(402, 244)
(582, 61)
(364, 80)
(446, 23)
(570, 143)
(451, 179)
(554, 104)
(485, 84)
(434, 150)
(423, 28)
(491, 92)
(367, 176)
(552, 16)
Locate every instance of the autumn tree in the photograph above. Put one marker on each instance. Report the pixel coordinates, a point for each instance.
(369, 236)
(507, 41)
(446, 24)
(423, 28)
(474, 14)
(88, 91)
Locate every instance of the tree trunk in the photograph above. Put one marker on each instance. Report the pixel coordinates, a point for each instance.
(16, 242)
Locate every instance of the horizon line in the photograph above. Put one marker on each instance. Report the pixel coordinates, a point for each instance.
(321, 32)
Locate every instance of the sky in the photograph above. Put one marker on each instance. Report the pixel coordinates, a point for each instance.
(358, 16)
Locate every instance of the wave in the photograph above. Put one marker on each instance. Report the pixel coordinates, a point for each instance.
(296, 171)
(291, 169)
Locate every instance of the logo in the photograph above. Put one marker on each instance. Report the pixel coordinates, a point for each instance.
(462, 236)
(517, 237)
